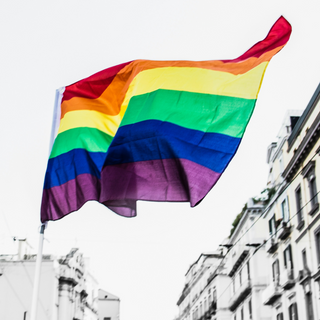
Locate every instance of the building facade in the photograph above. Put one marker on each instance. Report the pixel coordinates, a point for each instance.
(67, 291)
(198, 299)
(108, 306)
(246, 265)
(293, 219)
(271, 269)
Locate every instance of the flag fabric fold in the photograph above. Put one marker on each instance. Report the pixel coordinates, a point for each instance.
(152, 130)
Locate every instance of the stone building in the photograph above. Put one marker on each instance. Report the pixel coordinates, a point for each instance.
(67, 288)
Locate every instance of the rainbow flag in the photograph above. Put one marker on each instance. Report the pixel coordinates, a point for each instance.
(152, 130)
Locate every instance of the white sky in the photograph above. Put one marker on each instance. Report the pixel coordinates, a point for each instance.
(46, 45)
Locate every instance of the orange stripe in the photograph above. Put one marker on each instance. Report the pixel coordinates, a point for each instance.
(111, 99)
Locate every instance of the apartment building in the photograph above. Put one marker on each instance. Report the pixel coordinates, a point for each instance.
(205, 280)
(293, 218)
(271, 269)
(246, 264)
(67, 288)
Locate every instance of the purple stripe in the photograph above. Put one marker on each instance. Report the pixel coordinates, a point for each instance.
(61, 200)
(155, 180)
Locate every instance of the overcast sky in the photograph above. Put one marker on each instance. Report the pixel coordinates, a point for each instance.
(46, 45)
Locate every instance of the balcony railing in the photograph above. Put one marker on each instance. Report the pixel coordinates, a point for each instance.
(285, 230)
(240, 295)
(271, 293)
(287, 280)
(272, 245)
(304, 275)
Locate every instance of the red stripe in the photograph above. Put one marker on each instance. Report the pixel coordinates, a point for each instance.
(93, 86)
(278, 36)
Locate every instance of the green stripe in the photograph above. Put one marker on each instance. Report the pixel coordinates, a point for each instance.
(89, 139)
(198, 111)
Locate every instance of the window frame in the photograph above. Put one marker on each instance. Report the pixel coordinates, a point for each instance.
(288, 250)
(317, 241)
(298, 195)
(250, 308)
(276, 271)
(272, 225)
(285, 212)
(309, 173)
(293, 311)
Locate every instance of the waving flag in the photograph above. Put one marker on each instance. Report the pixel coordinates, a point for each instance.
(152, 130)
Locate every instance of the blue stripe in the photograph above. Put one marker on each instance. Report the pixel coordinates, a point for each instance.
(67, 166)
(153, 140)
(146, 140)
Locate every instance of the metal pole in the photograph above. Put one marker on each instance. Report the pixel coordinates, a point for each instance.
(35, 293)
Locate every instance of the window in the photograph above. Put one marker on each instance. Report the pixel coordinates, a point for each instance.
(281, 164)
(293, 312)
(304, 259)
(299, 204)
(250, 309)
(106, 318)
(288, 263)
(272, 225)
(275, 271)
(241, 314)
(285, 210)
(280, 316)
(248, 269)
(309, 173)
(214, 295)
(313, 189)
(317, 239)
(240, 277)
(309, 307)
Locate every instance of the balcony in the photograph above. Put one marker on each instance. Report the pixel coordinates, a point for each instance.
(272, 245)
(285, 230)
(271, 293)
(304, 275)
(207, 315)
(212, 308)
(287, 280)
(240, 295)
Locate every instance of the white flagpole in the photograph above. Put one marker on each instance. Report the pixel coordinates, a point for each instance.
(35, 293)
(54, 130)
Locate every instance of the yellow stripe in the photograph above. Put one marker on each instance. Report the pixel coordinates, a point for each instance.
(200, 80)
(91, 119)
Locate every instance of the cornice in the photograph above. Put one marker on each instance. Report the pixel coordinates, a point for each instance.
(303, 150)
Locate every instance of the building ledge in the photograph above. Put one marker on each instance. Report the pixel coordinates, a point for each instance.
(304, 275)
(303, 150)
(240, 295)
(287, 280)
(242, 256)
(300, 225)
(314, 209)
(285, 232)
(271, 293)
(316, 276)
(272, 246)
